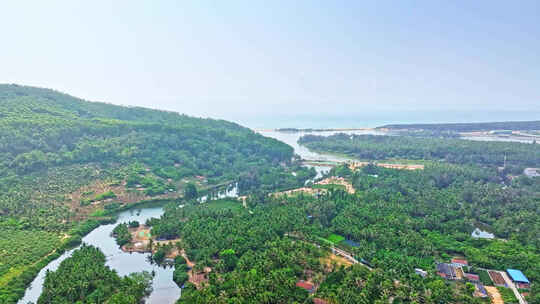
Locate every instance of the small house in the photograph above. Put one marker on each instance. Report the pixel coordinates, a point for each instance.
(479, 234)
(421, 272)
(446, 271)
(306, 285)
(472, 277)
(460, 262)
(519, 278)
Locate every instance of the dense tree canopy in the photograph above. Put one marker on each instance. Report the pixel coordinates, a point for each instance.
(84, 278)
(458, 151)
(399, 219)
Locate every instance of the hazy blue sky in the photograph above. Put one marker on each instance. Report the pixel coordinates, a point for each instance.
(232, 59)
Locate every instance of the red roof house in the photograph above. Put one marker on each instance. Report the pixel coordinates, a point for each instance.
(472, 277)
(460, 262)
(306, 285)
(319, 301)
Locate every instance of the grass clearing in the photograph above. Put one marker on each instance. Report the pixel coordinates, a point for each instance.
(335, 238)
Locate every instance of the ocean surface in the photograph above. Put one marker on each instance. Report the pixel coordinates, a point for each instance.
(373, 119)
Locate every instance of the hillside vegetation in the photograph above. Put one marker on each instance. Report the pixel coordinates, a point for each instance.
(42, 130)
(64, 160)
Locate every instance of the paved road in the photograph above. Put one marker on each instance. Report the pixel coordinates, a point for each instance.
(348, 256)
(513, 287)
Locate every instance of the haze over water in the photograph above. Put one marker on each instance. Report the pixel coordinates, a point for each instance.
(373, 119)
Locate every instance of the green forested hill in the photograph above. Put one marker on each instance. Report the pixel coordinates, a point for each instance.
(52, 145)
(42, 130)
(41, 127)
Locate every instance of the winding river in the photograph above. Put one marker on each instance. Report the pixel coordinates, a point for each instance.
(291, 138)
(164, 288)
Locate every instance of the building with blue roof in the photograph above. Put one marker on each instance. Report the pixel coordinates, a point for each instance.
(518, 278)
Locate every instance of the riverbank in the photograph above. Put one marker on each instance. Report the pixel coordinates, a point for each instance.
(15, 287)
(26, 281)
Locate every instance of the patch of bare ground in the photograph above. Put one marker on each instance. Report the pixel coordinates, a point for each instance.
(337, 181)
(332, 259)
(123, 196)
(494, 294)
(197, 278)
(300, 190)
(140, 240)
(357, 165)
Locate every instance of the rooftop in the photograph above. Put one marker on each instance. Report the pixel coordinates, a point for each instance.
(446, 269)
(306, 285)
(477, 233)
(460, 261)
(472, 276)
(517, 276)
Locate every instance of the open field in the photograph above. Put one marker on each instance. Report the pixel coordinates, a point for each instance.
(79, 200)
(335, 238)
(338, 260)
